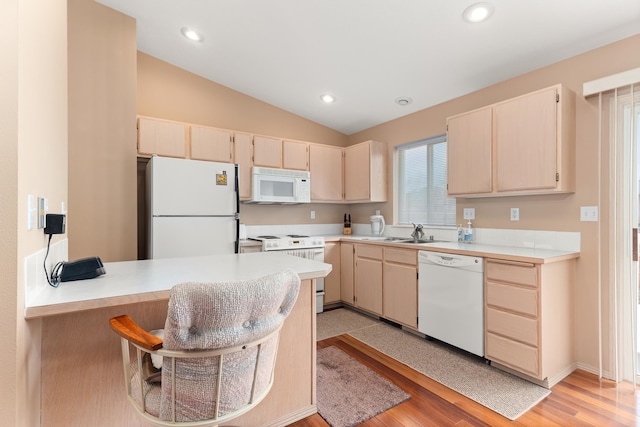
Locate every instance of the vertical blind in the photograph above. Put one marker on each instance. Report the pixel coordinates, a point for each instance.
(422, 183)
(618, 102)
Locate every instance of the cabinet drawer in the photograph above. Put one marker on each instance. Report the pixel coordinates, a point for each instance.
(522, 274)
(369, 251)
(520, 300)
(519, 328)
(513, 354)
(402, 256)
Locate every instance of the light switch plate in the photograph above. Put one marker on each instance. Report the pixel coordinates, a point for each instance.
(588, 213)
(42, 211)
(469, 213)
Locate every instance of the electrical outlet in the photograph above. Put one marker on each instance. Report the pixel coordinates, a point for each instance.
(313, 214)
(469, 213)
(588, 213)
(515, 214)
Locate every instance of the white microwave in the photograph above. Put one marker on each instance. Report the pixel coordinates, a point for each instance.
(270, 185)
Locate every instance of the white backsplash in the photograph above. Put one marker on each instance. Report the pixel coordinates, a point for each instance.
(539, 239)
(34, 275)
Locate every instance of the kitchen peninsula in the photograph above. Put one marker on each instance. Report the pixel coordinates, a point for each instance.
(82, 380)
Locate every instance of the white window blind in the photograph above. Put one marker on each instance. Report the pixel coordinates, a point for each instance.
(422, 183)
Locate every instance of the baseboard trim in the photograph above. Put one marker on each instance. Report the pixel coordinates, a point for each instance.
(293, 417)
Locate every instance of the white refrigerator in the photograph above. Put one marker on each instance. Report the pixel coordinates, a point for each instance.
(193, 208)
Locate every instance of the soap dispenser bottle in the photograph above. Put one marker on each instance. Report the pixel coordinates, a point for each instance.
(468, 233)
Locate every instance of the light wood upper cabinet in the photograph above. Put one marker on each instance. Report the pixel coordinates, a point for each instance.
(530, 142)
(531, 149)
(267, 152)
(347, 294)
(469, 141)
(325, 165)
(211, 144)
(332, 281)
(295, 155)
(365, 172)
(242, 145)
(162, 137)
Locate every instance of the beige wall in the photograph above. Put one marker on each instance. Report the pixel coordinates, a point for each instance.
(553, 212)
(33, 160)
(102, 133)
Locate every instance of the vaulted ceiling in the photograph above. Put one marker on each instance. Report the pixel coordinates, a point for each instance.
(370, 53)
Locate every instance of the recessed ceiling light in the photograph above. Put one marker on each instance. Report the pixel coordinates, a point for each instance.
(328, 99)
(191, 34)
(477, 12)
(404, 101)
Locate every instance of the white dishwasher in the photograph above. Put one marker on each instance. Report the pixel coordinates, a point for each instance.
(451, 299)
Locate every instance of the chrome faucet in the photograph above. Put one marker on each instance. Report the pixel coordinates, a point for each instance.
(417, 234)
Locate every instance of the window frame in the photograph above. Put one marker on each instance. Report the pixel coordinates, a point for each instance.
(398, 175)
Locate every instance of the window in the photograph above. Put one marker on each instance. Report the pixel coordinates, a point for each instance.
(422, 184)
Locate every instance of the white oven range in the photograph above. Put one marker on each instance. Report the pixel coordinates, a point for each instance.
(301, 246)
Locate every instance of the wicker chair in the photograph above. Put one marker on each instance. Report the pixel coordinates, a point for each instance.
(218, 353)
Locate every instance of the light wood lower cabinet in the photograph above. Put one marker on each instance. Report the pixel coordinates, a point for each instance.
(400, 286)
(528, 317)
(332, 256)
(347, 257)
(368, 278)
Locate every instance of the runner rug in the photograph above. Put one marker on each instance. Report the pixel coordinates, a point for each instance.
(499, 391)
(348, 392)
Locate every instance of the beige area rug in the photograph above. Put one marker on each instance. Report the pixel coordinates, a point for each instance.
(499, 391)
(341, 385)
(341, 321)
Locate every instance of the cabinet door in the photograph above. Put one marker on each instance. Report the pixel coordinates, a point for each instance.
(325, 165)
(469, 139)
(211, 144)
(368, 278)
(400, 293)
(526, 142)
(332, 281)
(242, 152)
(267, 152)
(162, 137)
(357, 171)
(347, 294)
(295, 155)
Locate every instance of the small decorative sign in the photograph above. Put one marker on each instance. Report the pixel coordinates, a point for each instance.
(221, 178)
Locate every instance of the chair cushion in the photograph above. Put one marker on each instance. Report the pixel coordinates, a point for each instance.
(219, 315)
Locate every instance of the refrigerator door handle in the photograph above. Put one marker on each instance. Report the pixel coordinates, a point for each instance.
(237, 243)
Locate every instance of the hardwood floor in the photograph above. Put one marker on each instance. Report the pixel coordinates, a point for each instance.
(578, 400)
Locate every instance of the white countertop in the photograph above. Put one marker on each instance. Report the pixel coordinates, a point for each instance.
(512, 253)
(149, 280)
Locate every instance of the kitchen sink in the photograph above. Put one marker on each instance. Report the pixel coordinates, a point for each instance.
(401, 240)
(419, 241)
(386, 239)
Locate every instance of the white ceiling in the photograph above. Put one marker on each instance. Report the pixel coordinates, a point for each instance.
(367, 53)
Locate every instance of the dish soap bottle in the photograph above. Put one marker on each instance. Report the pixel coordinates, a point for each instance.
(460, 234)
(468, 233)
